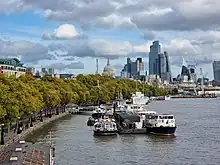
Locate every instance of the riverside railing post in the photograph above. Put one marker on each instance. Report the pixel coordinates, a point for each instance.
(2, 134)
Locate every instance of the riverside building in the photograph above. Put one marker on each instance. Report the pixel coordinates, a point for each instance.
(12, 66)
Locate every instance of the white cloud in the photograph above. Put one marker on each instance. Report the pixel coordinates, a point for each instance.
(115, 21)
(148, 15)
(63, 32)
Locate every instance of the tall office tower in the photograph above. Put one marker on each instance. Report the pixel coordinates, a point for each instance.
(153, 58)
(133, 69)
(159, 62)
(51, 71)
(162, 67)
(168, 69)
(140, 65)
(44, 70)
(216, 70)
(128, 68)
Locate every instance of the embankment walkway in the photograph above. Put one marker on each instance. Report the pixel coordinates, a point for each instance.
(12, 138)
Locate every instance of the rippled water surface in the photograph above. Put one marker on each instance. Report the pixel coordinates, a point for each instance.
(197, 139)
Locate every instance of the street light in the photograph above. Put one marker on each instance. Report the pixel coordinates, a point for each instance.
(18, 126)
(31, 124)
(2, 134)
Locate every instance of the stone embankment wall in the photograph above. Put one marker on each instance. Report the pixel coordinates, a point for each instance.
(9, 143)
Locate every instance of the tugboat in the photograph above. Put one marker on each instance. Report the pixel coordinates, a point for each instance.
(105, 127)
(161, 124)
(96, 114)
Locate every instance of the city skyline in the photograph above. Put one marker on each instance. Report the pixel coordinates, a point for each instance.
(69, 37)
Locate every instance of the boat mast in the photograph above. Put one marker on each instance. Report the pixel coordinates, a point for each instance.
(98, 92)
(51, 149)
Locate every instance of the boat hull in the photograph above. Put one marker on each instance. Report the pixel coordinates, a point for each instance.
(105, 133)
(162, 131)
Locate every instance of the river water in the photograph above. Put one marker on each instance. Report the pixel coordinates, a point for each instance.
(197, 140)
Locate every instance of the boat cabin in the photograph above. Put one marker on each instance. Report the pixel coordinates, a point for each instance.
(160, 120)
(144, 113)
(134, 107)
(105, 124)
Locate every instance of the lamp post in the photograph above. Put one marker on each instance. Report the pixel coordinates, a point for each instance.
(2, 134)
(18, 126)
(31, 122)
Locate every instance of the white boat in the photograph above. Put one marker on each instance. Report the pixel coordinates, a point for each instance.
(210, 91)
(96, 114)
(105, 126)
(139, 98)
(134, 108)
(167, 97)
(160, 124)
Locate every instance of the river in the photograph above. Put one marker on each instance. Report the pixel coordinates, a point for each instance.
(197, 140)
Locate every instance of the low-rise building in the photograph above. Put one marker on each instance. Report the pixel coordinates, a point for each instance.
(12, 66)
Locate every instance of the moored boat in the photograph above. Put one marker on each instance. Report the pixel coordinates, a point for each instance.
(105, 126)
(96, 114)
(160, 124)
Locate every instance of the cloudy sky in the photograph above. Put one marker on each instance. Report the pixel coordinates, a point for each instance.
(70, 34)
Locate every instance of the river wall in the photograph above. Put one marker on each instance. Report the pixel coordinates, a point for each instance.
(9, 143)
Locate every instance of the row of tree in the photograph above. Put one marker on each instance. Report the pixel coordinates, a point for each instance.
(24, 96)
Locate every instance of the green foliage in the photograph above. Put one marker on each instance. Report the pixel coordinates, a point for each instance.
(25, 95)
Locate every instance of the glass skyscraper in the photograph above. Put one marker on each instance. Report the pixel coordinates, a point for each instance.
(159, 62)
(216, 70)
(153, 58)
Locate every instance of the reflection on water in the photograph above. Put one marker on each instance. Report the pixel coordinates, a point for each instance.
(162, 139)
(195, 143)
(42, 133)
(104, 139)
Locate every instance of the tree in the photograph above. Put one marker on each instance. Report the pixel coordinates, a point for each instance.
(24, 96)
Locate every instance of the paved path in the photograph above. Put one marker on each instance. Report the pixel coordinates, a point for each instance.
(12, 138)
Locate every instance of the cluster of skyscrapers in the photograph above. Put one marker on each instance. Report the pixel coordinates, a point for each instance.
(133, 69)
(159, 66)
(159, 63)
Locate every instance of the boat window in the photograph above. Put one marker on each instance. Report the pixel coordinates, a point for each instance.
(170, 117)
(152, 117)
